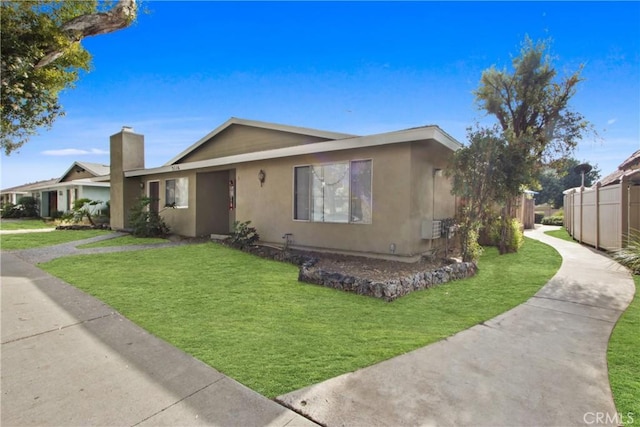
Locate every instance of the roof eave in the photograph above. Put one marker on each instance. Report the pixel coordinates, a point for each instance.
(420, 134)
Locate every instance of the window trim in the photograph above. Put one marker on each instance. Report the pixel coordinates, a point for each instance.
(311, 165)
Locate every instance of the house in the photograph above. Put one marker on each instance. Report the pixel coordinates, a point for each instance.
(14, 194)
(82, 180)
(381, 194)
(607, 213)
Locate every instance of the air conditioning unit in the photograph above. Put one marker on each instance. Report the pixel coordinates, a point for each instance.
(431, 229)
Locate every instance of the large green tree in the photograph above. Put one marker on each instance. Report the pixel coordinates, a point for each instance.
(531, 105)
(554, 181)
(42, 55)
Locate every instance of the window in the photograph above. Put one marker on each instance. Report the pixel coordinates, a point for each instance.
(177, 193)
(336, 192)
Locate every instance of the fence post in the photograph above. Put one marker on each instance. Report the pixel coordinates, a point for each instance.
(598, 185)
(581, 218)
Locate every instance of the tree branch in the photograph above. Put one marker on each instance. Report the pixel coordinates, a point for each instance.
(94, 24)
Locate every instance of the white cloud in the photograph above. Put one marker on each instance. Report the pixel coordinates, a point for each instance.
(73, 152)
(611, 121)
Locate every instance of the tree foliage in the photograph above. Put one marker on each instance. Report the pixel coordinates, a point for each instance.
(554, 181)
(41, 56)
(478, 178)
(531, 105)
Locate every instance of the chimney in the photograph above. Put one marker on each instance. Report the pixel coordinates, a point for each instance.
(127, 153)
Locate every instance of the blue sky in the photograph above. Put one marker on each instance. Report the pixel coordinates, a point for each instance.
(355, 67)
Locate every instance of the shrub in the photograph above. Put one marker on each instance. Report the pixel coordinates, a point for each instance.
(538, 218)
(29, 206)
(630, 255)
(84, 208)
(9, 210)
(516, 235)
(243, 235)
(553, 220)
(146, 223)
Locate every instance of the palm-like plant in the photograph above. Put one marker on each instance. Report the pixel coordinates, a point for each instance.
(629, 256)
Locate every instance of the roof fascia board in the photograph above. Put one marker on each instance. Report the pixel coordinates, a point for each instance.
(258, 124)
(75, 183)
(420, 134)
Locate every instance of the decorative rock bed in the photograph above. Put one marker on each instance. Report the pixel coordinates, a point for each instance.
(388, 290)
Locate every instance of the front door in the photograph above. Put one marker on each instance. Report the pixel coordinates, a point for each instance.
(154, 195)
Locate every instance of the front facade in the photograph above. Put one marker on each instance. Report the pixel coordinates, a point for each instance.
(81, 181)
(380, 194)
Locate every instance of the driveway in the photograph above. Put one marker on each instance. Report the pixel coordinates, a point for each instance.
(542, 363)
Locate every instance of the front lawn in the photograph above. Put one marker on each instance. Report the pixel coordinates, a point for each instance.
(25, 224)
(251, 319)
(124, 241)
(50, 238)
(623, 357)
(561, 234)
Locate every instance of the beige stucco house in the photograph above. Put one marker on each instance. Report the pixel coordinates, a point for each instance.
(376, 194)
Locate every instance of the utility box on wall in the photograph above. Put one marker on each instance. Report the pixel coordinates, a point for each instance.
(431, 229)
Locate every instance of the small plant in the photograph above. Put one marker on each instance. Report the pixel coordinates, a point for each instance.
(629, 256)
(538, 218)
(84, 208)
(243, 235)
(145, 222)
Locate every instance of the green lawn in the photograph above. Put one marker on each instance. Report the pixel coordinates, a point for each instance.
(251, 319)
(623, 357)
(561, 234)
(37, 240)
(124, 241)
(25, 224)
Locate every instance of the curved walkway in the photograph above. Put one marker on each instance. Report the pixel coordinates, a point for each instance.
(542, 363)
(47, 253)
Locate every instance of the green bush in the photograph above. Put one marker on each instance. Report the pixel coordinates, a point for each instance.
(630, 255)
(516, 235)
(553, 220)
(538, 218)
(27, 207)
(146, 223)
(243, 235)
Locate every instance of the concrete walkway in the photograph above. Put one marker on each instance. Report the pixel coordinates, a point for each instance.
(542, 363)
(70, 360)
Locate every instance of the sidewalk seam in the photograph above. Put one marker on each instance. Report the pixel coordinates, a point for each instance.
(178, 401)
(58, 329)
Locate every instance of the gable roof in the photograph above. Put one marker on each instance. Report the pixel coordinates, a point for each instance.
(95, 169)
(258, 124)
(424, 133)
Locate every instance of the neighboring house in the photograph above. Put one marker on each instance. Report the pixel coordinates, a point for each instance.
(14, 194)
(82, 180)
(376, 194)
(605, 214)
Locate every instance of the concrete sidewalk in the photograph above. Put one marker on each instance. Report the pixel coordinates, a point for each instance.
(542, 363)
(70, 360)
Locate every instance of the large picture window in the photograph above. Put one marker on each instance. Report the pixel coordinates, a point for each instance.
(336, 192)
(177, 193)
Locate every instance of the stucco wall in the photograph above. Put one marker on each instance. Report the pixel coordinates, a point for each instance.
(402, 196)
(270, 208)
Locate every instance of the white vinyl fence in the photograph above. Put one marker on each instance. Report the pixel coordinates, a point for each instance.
(603, 216)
